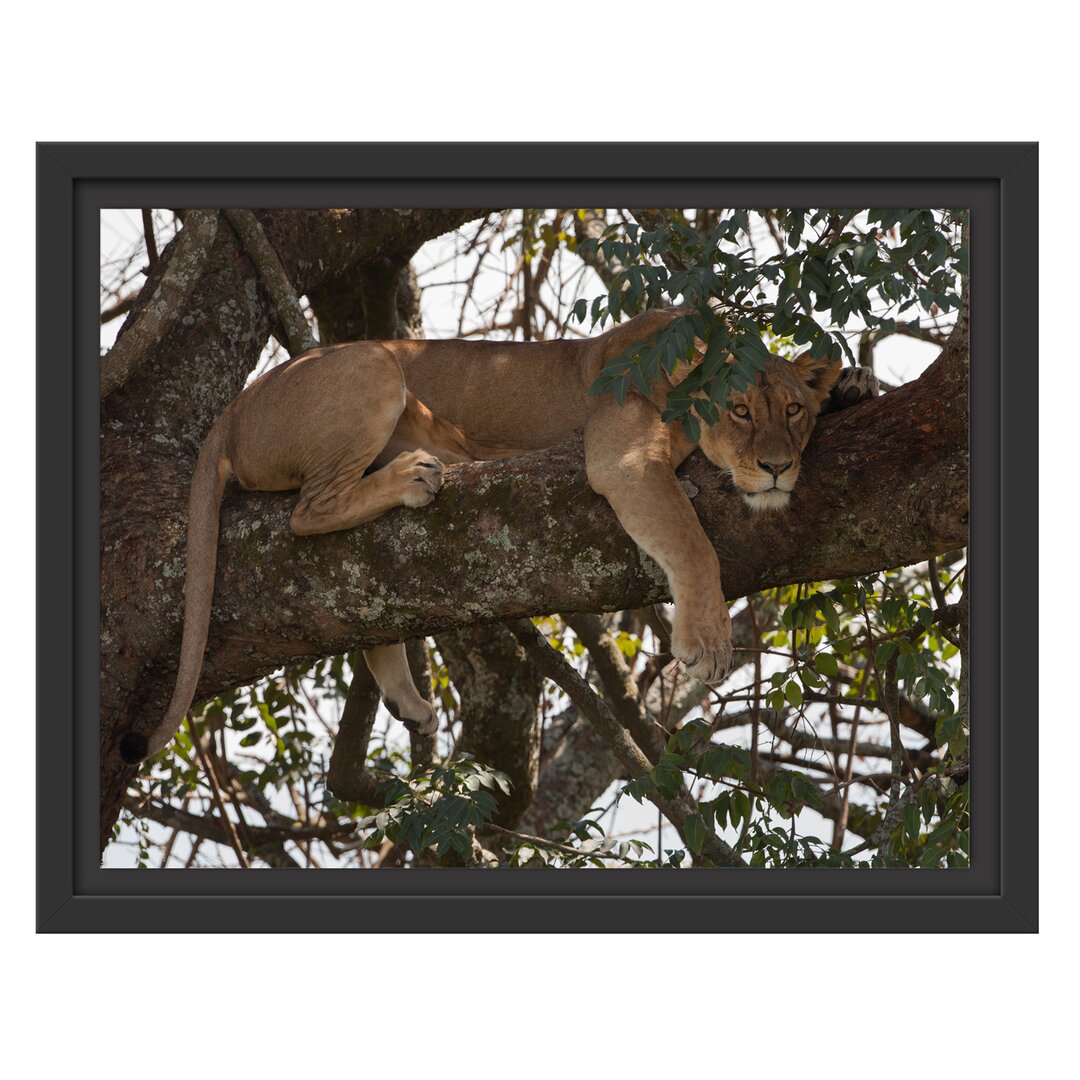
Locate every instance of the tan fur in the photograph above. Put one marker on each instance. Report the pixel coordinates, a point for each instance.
(402, 408)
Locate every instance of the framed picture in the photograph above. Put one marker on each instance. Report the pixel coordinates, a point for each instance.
(763, 381)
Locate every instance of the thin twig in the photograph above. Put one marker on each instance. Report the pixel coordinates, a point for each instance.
(148, 236)
(566, 849)
(755, 707)
(121, 307)
(215, 791)
(845, 804)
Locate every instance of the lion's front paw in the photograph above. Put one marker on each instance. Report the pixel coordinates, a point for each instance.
(706, 652)
(420, 475)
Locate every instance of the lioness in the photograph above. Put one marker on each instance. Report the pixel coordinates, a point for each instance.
(364, 427)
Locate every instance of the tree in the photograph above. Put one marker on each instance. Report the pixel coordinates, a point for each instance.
(548, 711)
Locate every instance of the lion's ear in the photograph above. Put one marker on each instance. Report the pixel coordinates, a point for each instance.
(819, 375)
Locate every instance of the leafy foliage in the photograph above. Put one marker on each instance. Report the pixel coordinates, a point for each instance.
(838, 643)
(437, 808)
(831, 266)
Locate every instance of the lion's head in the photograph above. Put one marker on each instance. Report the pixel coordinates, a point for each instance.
(760, 437)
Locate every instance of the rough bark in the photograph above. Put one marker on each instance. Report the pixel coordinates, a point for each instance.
(579, 771)
(272, 275)
(885, 485)
(377, 302)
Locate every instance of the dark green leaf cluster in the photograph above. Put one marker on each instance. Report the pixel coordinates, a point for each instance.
(904, 628)
(940, 807)
(873, 265)
(437, 808)
(745, 805)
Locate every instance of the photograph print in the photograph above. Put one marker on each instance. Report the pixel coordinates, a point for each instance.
(573, 538)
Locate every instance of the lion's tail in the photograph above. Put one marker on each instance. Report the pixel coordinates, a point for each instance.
(204, 509)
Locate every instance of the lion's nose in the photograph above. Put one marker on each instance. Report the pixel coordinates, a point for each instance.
(775, 467)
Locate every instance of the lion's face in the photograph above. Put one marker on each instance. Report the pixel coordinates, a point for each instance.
(760, 437)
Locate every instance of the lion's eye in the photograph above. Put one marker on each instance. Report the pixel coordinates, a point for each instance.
(794, 408)
(741, 411)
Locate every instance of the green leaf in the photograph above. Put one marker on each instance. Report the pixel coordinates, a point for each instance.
(739, 807)
(911, 820)
(793, 693)
(826, 664)
(927, 802)
(884, 654)
(695, 832)
(620, 386)
(950, 730)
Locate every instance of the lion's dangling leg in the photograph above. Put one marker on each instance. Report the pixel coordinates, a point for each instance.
(350, 498)
(628, 459)
(390, 669)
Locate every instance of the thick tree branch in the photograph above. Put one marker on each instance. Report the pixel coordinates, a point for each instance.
(581, 768)
(348, 776)
(885, 484)
(290, 316)
(620, 690)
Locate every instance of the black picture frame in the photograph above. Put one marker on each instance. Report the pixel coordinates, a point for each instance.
(997, 180)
